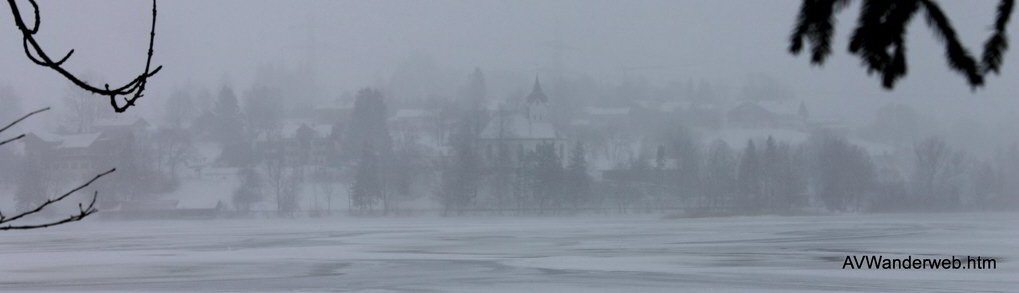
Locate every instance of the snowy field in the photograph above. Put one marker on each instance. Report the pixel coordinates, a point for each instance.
(509, 254)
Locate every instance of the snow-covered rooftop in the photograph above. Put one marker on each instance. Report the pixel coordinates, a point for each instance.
(69, 140)
(781, 107)
(598, 111)
(290, 127)
(518, 127)
(673, 106)
(121, 120)
(411, 114)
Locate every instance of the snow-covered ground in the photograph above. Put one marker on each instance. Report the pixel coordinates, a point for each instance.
(510, 254)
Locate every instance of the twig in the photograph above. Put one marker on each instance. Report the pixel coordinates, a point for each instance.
(37, 55)
(16, 122)
(83, 211)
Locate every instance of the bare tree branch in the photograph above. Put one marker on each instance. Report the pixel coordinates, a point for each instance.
(16, 122)
(131, 91)
(37, 55)
(83, 211)
(20, 136)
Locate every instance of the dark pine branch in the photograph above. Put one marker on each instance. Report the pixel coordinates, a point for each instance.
(994, 48)
(958, 57)
(878, 38)
(131, 91)
(893, 35)
(867, 39)
(816, 22)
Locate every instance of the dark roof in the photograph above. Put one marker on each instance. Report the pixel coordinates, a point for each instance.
(65, 141)
(750, 113)
(518, 127)
(536, 94)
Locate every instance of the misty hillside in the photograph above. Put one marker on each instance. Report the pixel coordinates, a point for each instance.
(507, 146)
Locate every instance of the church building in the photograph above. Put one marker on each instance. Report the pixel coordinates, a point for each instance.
(516, 132)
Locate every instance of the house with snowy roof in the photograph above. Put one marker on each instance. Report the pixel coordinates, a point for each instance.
(412, 121)
(768, 114)
(300, 143)
(132, 125)
(75, 155)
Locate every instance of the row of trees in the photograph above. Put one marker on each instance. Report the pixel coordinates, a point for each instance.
(381, 170)
(272, 165)
(827, 172)
(537, 181)
(765, 176)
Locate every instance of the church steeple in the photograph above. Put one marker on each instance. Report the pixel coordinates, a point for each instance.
(537, 103)
(803, 111)
(536, 94)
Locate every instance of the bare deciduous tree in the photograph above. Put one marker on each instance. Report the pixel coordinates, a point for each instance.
(937, 172)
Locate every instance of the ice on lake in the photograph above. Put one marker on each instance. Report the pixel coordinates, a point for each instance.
(509, 254)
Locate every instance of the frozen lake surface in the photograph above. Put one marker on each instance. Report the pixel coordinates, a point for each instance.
(510, 254)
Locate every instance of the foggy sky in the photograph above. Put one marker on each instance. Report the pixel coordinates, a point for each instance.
(360, 43)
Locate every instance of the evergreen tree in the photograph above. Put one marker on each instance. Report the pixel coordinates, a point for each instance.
(502, 177)
(771, 163)
(228, 129)
(523, 180)
(461, 174)
(262, 109)
(578, 182)
(367, 187)
(843, 173)
(688, 164)
(368, 123)
(660, 158)
(547, 177)
(408, 170)
(720, 175)
(749, 177)
(250, 190)
(305, 136)
(227, 106)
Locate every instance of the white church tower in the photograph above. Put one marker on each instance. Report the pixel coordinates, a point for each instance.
(537, 104)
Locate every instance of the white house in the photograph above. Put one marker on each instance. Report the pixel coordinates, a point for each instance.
(520, 131)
